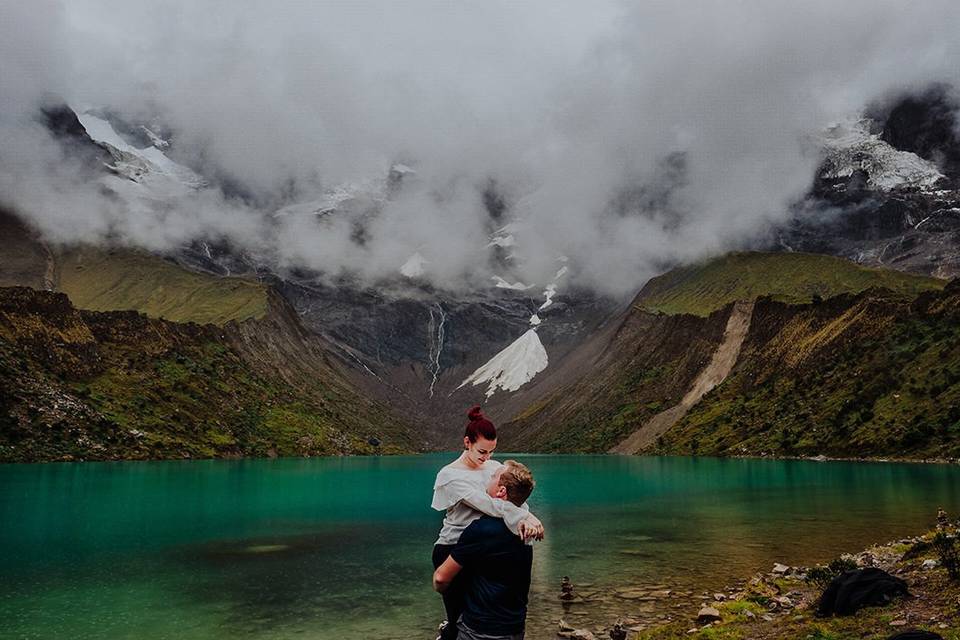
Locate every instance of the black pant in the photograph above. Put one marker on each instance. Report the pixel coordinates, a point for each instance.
(453, 597)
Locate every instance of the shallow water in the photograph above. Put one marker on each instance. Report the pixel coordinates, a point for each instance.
(340, 547)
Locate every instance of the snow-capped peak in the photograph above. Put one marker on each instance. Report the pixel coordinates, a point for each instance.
(850, 147)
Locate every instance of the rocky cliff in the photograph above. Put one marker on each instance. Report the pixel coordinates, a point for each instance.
(888, 190)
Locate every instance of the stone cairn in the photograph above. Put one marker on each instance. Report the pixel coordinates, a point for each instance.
(618, 632)
(566, 589)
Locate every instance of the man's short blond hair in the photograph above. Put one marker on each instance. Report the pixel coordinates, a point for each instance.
(517, 480)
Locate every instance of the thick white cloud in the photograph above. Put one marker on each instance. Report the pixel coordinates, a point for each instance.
(568, 106)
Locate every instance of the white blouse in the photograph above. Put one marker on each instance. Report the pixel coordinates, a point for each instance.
(462, 493)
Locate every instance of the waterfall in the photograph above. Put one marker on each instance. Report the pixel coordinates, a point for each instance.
(436, 348)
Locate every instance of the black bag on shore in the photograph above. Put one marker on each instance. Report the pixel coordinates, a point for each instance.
(916, 635)
(852, 590)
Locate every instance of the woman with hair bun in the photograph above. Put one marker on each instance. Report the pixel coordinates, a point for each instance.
(460, 491)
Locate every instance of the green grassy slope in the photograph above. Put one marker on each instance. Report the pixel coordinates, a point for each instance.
(865, 376)
(114, 280)
(873, 371)
(788, 277)
(118, 385)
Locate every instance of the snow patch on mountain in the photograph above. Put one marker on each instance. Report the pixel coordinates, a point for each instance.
(500, 283)
(513, 367)
(374, 192)
(414, 266)
(851, 147)
(549, 292)
(149, 166)
(505, 239)
(525, 357)
(502, 241)
(332, 199)
(156, 140)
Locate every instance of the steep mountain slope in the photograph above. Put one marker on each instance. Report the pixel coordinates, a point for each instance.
(868, 375)
(629, 386)
(111, 385)
(738, 323)
(24, 260)
(621, 378)
(888, 191)
(237, 374)
(417, 348)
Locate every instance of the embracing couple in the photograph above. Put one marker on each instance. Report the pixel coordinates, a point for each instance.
(482, 559)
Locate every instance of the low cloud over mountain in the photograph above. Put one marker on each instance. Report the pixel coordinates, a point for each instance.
(621, 136)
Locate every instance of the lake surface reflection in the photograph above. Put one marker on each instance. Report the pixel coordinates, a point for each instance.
(340, 547)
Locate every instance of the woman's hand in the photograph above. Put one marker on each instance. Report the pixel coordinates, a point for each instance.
(531, 528)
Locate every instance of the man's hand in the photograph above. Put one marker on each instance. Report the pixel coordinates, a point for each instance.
(531, 528)
(445, 574)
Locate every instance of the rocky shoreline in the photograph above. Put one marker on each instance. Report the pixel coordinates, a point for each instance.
(781, 603)
(823, 458)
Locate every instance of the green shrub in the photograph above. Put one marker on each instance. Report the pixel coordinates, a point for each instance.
(946, 548)
(822, 575)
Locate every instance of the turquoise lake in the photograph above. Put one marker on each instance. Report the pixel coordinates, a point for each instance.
(340, 547)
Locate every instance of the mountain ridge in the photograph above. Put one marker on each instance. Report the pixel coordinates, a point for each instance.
(236, 346)
(863, 375)
(651, 362)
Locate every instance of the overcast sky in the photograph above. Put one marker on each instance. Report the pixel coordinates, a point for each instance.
(568, 106)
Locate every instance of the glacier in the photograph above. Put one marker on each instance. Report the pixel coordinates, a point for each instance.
(513, 367)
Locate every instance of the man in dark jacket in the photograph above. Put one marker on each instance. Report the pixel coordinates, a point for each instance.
(497, 564)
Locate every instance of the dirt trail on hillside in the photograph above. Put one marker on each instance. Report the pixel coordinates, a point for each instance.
(713, 374)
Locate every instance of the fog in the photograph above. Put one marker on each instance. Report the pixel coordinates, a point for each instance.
(624, 136)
